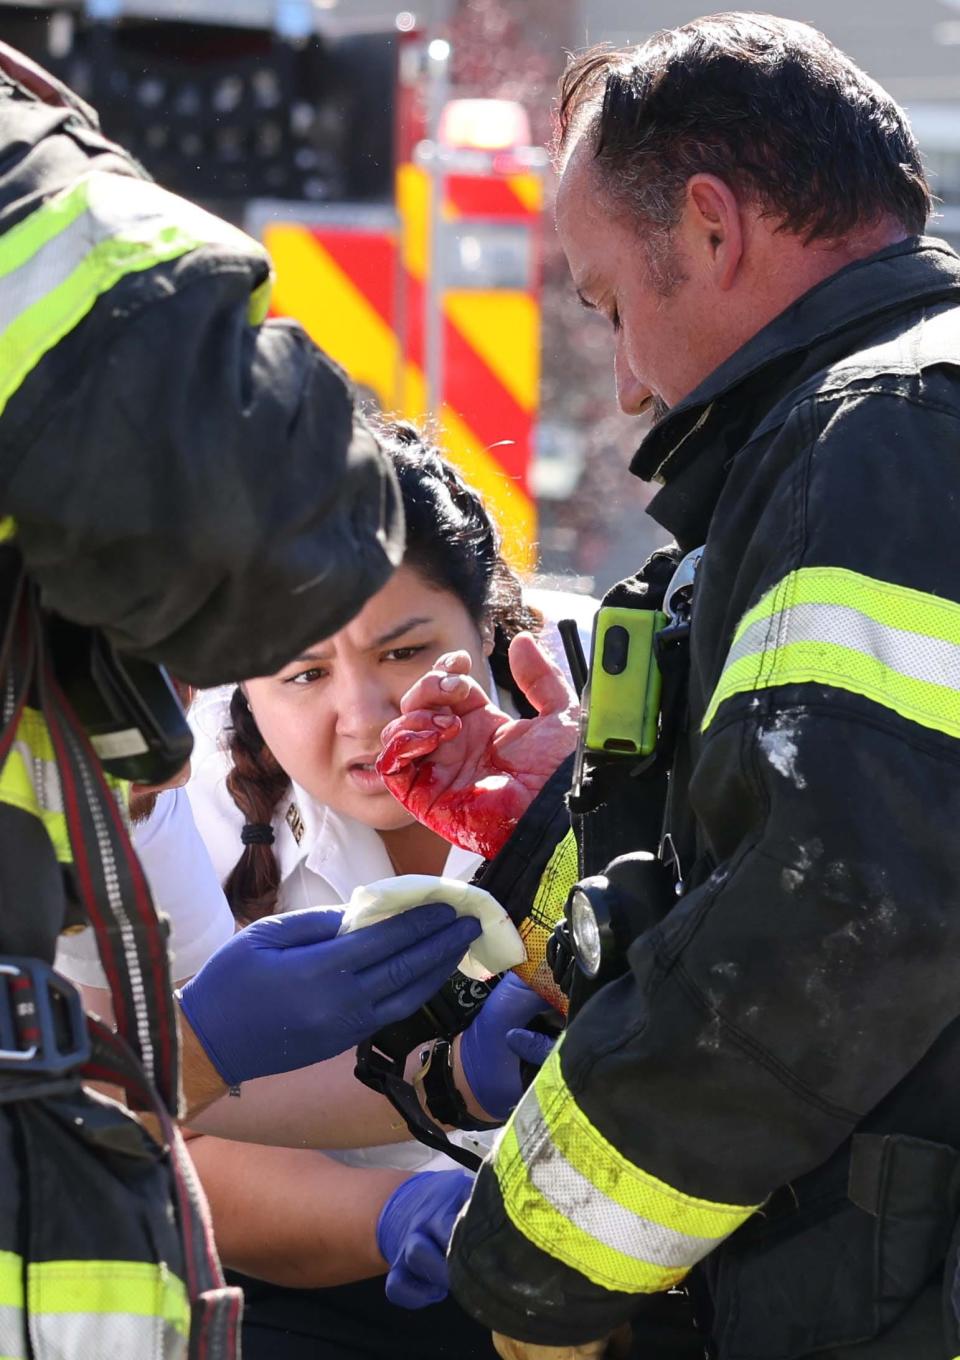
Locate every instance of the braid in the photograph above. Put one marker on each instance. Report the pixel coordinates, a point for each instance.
(256, 784)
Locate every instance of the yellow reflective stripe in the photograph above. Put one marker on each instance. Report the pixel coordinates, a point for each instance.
(13, 1341)
(30, 781)
(259, 304)
(585, 1147)
(134, 1288)
(894, 645)
(895, 606)
(80, 1308)
(25, 341)
(11, 1279)
(78, 245)
(546, 1227)
(568, 1189)
(562, 871)
(559, 876)
(19, 245)
(8, 528)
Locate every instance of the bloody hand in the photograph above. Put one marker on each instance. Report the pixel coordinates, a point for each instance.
(464, 768)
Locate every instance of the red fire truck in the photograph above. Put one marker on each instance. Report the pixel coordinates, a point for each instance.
(405, 227)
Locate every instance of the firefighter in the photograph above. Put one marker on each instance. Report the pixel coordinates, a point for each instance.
(763, 1104)
(193, 488)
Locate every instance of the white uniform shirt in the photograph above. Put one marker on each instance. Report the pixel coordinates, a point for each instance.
(184, 887)
(322, 854)
(191, 842)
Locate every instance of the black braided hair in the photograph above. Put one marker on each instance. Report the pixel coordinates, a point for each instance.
(256, 784)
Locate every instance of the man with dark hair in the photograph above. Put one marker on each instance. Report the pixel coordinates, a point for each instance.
(764, 1104)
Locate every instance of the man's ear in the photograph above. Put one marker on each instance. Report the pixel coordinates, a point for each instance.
(715, 227)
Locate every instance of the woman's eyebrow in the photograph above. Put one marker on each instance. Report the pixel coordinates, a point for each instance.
(310, 656)
(392, 634)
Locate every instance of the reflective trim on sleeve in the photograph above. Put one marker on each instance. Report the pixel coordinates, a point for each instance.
(828, 626)
(30, 781)
(123, 1308)
(64, 1336)
(13, 1341)
(259, 304)
(76, 246)
(8, 528)
(570, 1192)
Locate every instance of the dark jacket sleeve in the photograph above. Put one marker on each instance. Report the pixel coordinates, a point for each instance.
(198, 487)
(783, 998)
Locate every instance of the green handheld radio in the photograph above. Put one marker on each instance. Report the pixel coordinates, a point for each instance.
(621, 700)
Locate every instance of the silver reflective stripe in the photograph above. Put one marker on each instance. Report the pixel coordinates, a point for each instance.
(13, 1341)
(116, 206)
(104, 1336)
(49, 266)
(914, 655)
(589, 1209)
(77, 245)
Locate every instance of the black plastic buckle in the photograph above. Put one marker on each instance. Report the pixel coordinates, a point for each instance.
(448, 1012)
(561, 958)
(385, 1075)
(42, 1023)
(669, 638)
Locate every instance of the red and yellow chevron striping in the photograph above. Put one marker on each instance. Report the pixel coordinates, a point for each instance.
(360, 293)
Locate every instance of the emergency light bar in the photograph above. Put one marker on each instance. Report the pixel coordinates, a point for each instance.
(484, 125)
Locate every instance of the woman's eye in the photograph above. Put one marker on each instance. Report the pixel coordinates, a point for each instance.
(404, 653)
(307, 677)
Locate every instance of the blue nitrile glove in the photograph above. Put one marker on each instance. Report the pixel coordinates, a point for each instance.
(488, 1051)
(287, 991)
(530, 1045)
(413, 1231)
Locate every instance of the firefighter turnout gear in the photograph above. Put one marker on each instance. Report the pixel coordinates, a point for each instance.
(764, 1104)
(194, 484)
(141, 404)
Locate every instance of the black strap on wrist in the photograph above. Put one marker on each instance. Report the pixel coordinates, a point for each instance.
(385, 1075)
(381, 1060)
(444, 1101)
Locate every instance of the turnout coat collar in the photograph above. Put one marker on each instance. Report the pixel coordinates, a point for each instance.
(690, 451)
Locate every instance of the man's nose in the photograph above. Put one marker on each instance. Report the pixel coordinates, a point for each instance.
(632, 394)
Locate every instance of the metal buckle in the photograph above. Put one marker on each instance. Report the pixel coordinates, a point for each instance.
(678, 605)
(678, 598)
(42, 1024)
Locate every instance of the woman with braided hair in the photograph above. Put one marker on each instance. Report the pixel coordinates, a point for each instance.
(287, 798)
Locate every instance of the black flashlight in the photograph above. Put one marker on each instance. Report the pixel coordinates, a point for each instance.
(606, 912)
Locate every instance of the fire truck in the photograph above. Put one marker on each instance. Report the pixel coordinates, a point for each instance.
(405, 226)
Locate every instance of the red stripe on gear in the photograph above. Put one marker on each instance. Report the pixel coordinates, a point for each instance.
(369, 261)
(477, 196)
